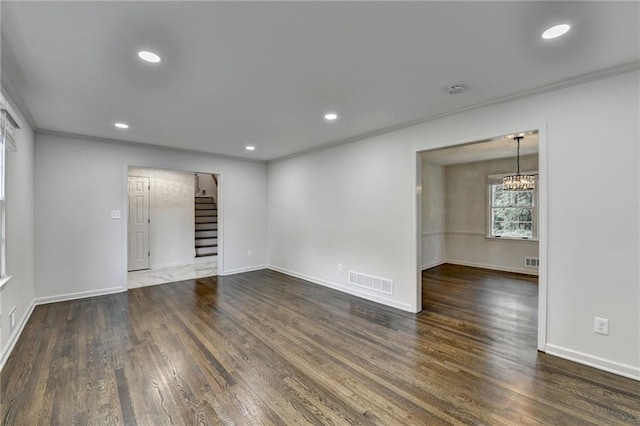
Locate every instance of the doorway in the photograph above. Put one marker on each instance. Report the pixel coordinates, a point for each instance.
(172, 212)
(465, 219)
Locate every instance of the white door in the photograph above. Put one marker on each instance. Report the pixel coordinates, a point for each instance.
(138, 232)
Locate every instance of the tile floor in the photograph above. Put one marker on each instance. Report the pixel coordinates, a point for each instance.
(168, 275)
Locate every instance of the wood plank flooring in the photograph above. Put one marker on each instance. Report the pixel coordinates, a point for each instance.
(265, 348)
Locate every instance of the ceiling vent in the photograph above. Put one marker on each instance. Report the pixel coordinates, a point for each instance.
(455, 89)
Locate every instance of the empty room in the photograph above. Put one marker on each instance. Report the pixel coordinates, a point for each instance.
(380, 213)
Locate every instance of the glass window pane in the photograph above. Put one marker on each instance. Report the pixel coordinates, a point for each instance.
(525, 198)
(524, 215)
(496, 194)
(511, 228)
(525, 226)
(497, 228)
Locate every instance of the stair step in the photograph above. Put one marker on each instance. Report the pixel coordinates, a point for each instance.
(207, 234)
(206, 254)
(206, 226)
(204, 200)
(206, 219)
(213, 226)
(206, 250)
(206, 206)
(206, 242)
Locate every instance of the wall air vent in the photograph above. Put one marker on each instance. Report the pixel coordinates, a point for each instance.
(370, 282)
(531, 262)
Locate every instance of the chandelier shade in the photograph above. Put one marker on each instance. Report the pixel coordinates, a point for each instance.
(518, 181)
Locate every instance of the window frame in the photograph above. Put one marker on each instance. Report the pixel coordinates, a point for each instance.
(7, 143)
(3, 207)
(491, 181)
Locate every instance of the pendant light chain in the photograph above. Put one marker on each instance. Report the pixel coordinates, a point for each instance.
(518, 182)
(517, 138)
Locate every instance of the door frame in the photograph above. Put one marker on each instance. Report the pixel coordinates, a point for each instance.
(125, 203)
(416, 211)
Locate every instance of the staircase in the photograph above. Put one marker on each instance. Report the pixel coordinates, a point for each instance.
(206, 221)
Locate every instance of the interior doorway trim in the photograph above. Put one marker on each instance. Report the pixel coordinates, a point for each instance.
(416, 211)
(125, 210)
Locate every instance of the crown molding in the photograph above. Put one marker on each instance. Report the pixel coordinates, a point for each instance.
(141, 145)
(7, 66)
(574, 81)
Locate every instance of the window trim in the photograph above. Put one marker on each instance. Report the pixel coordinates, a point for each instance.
(534, 212)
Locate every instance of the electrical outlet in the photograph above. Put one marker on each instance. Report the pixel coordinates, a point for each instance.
(339, 267)
(12, 319)
(601, 326)
(249, 253)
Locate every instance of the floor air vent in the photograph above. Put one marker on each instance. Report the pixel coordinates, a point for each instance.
(531, 262)
(370, 282)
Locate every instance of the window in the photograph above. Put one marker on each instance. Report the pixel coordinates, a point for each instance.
(7, 127)
(511, 214)
(3, 267)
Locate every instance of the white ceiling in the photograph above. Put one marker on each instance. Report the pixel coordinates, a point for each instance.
(499, 147)
(264, 73)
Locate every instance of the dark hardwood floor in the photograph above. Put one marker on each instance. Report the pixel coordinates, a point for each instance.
(265, 348)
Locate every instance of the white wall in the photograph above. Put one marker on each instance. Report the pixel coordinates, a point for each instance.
(433, 214)
(466, 218)
(353, 203)
(81, 251)
(171, 210)
(207, 184)
(19, 291)
(344, 206)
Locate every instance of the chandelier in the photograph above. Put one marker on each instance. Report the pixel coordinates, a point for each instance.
(518, 182)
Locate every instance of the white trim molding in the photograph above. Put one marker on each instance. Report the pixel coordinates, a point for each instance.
(345, 289)
(467, 233)
(433, 264)
(433, 233)
(531, 271)
(614, 367)
(4, 281)
(78, 295)
(242, 270)
(13, 339)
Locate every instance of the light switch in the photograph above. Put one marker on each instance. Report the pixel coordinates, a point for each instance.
(115, 214)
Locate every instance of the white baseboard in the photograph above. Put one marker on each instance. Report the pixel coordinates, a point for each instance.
(14, 336)
(78, 295)
(345, 289)
(493, 267)
(593, 361)
(241, 270)
(432, 264)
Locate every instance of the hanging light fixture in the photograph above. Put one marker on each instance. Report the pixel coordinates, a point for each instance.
(518, 182)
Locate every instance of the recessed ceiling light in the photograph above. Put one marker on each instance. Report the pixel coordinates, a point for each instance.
(330, 116)
(149, 56)
(121, 125)
(250, 148)
(556, 31)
